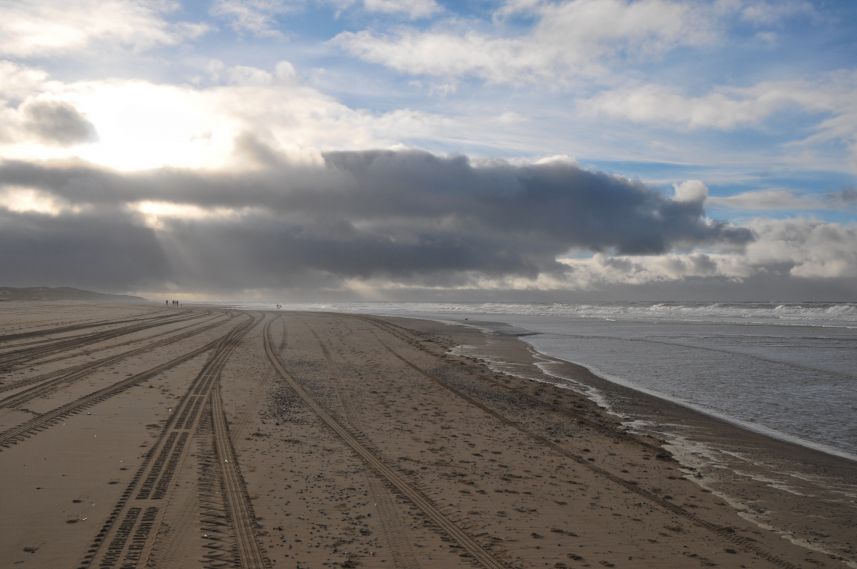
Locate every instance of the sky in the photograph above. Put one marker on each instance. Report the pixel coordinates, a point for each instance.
(517, 150)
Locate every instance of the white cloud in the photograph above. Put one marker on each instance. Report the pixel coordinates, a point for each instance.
(762, 12)
(690, 191)
(568, 39)
(657, 103)
(244, 75)
(829, 96)
(809, 248)
(516, 7)
(258, 17)
(771, 200)
(722, 108)
(17, 82)
(798, 247)
(143, 124)
(49, 27)
(603, 269)
(285, 71)
(413, 9)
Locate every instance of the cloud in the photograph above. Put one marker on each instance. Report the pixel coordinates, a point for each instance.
(18, 82)
(805, 247)
(786, 200)
(50, 27)
(691, 191)
(602, 270)
(775, 13)
(568, 39)
(143, 124)
(37, 117)
(552, 42)
(87, 249)
(257, 17)
(827, 99)
(260, 17)
(724, 107)
(768, 200)
(28, 200)
(413, 9)
(57, 123)
(782, 250)
(404, 217)
(397, 222)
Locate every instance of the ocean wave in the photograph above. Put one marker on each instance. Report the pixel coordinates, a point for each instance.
(828, 314)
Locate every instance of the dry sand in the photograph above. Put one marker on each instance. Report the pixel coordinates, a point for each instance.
(146, 436)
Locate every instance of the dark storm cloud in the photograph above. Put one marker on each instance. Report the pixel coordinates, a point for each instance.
(57, 123)
(403, 216)
(113, 251)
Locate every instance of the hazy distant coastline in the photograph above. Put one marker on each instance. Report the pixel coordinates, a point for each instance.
(43, 293)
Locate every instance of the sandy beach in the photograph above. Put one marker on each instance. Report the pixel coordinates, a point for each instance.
(150, 436)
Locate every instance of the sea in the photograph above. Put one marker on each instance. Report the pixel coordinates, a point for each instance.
(788, 370)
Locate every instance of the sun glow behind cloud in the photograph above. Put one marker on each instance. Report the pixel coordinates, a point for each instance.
(155, 212)
(30, 200)
(142, 125)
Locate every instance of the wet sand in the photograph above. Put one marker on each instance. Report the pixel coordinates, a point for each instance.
(146, 436)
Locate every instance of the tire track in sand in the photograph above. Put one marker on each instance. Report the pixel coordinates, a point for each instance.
(49, 382)
(19, 433)
(73, 327)
(17, 358)
(471, 547)
(141, 506)
(395, 531)
(725, 533)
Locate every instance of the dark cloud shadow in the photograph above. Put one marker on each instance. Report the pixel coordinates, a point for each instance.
(409, 217)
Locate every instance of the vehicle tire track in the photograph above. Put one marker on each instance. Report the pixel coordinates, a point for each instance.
(201, 317)
(395, 531)
(408, 337)
(16, 358)
(47, 383)
(19, 433)
(725, 533)
(73, 327)
(237, 501)
(128, 545)
(471, 547)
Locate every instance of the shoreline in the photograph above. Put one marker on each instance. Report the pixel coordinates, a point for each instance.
(702, 441)
(506, 329)
(760, 430)
(285, 439)
(793, 424)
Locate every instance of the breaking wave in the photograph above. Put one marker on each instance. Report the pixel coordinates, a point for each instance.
(831, 314)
